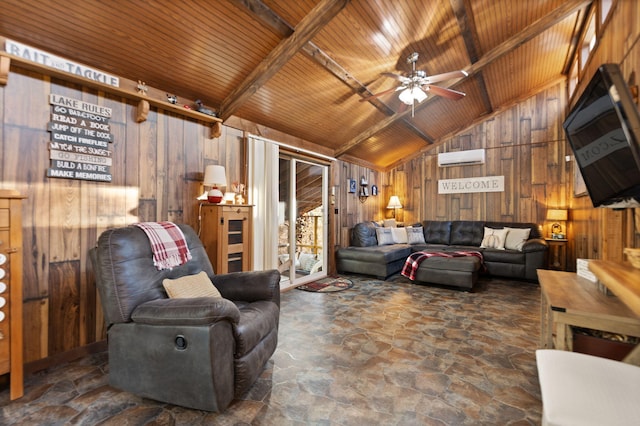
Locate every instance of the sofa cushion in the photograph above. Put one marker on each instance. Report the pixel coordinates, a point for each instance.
(494, 238)
(516, 237)
(415, 235)
(189, 286)
(503, 256)
(466, 233)
(377, 254)
(436, 231)
(384, 236)
(399, 235)
(535, 229)
(364, 235)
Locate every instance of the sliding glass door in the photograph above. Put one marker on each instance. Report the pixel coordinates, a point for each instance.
(302, 220)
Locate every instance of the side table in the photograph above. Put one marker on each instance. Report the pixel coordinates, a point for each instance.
(557, 254)
(569, 300)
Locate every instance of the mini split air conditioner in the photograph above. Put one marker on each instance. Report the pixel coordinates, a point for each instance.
(461, 158)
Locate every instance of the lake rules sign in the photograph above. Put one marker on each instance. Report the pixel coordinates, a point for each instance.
(467, 185)
(80, 138)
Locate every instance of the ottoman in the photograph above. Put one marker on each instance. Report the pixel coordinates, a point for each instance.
(452, 271)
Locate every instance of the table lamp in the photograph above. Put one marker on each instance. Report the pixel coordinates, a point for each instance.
(394, 203)
(557, 215)
(214, 176)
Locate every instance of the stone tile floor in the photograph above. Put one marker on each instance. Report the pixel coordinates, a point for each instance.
(381, 353)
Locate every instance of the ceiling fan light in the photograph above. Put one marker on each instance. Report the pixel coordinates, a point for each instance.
(418, 94)
(406, 96)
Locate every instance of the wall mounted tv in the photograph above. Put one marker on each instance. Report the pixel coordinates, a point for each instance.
(603, 129)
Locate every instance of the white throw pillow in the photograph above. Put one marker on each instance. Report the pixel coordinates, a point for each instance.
(399, 235)
(415, 235)
(384, 236)
(198, 285)
(516, 237)
(494, 238)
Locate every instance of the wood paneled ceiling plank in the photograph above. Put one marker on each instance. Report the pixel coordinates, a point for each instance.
(536, 28)
(268, 17)
(284, 51)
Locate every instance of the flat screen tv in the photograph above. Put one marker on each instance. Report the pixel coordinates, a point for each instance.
(603, 129)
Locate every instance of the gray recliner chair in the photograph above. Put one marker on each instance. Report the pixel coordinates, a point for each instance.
(198, 353)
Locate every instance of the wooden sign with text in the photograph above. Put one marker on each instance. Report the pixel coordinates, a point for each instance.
(80, 137)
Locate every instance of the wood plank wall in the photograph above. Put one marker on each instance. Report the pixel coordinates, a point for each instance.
(157, 173)
(603, 233)
(524, 144)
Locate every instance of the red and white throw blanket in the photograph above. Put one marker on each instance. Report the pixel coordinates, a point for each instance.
(168, 244)
(415, 259)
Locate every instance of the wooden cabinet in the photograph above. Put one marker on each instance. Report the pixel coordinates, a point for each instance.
(226, 235)
(11, 352)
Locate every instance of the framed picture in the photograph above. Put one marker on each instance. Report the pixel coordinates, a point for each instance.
(352, 186)
(374, 190)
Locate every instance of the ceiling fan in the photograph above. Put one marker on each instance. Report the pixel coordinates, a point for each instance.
(415, 86)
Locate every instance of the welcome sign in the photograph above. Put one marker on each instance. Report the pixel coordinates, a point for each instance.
(468, 185)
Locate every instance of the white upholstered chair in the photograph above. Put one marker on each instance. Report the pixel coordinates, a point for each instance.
(579, 389)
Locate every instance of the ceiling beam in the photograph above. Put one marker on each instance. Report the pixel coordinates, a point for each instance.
(308, 27)
(533, 30)
(530, 32)
(264, 14)
(464, 14)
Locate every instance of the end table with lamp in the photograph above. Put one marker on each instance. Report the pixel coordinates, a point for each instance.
(558, 239)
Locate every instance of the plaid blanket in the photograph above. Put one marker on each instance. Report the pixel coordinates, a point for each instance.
(168, 244)
(415, 259)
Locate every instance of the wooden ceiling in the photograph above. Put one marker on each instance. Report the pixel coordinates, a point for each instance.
(302, 66)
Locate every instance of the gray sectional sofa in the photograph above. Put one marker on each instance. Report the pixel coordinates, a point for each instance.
(366, 256)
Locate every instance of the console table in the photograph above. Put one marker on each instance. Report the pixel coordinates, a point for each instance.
(569, 300)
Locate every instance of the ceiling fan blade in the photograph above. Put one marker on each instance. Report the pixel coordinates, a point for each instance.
(444, 92)
(384, 92)
(398, 77)
(445, 76)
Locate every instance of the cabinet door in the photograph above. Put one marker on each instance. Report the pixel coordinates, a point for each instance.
(236, 228)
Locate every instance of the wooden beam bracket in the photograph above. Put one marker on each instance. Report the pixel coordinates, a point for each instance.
(216, 130)
(143, 111)
(5, 63)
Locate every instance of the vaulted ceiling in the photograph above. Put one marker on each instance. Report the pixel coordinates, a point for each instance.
(302, 67)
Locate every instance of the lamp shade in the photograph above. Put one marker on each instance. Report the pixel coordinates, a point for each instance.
(410, 94)
(557, 214)
(215, 175)
(394, 202)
